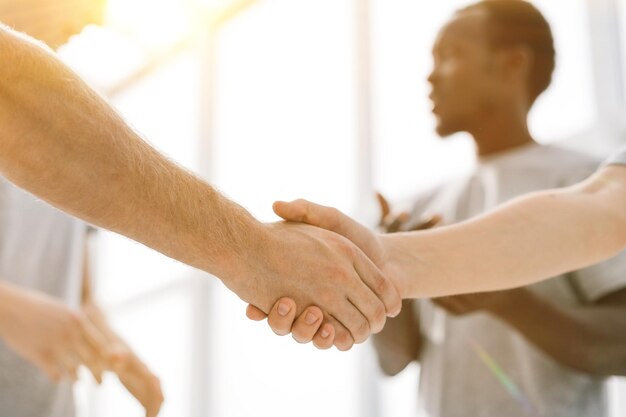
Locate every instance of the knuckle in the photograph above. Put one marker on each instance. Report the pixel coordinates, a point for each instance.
(346, 247)
(362, 332)
(74, 319)
(327, 296)
(382, 285)
(380, 315)
(125, 357)
(341, 276)
(334, 215)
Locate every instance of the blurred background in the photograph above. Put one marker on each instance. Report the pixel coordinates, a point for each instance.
(279, 99)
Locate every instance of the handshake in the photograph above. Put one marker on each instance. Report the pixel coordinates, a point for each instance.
(344, 283)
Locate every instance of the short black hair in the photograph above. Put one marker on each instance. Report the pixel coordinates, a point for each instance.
(518, 22)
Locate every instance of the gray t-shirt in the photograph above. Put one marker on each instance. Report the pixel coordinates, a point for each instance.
(619, 158)
(456, 378)
(41, 249)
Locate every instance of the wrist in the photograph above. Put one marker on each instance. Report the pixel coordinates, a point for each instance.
(400, 264)
(247, 251)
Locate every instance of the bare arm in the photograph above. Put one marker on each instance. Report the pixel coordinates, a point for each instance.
(63, 143)
(532, 238)
(590, 339)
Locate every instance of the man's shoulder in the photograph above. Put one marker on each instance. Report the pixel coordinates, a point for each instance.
(558, 156)
(555, 164)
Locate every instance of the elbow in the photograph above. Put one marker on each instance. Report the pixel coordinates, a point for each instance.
(393, 366)
(393, 358)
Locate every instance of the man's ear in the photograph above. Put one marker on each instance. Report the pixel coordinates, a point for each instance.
(517, 62)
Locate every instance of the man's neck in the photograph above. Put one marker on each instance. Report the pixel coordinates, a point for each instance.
(501, 135)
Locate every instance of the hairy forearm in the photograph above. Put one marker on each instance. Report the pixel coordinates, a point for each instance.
(62, 142)
(398, 344)
(588, 339)
(529, 239)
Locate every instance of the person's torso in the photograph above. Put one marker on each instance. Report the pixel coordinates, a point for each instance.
(458, 377)
(41, 249)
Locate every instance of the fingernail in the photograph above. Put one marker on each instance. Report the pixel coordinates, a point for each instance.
(325, 333)
(310, 318)
(283, 309)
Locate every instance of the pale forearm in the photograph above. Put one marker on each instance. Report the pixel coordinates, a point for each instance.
(63, 143)
(532, 238)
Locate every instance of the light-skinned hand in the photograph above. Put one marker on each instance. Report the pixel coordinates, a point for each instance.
(328, 271)
(314, 329)
(49, 335)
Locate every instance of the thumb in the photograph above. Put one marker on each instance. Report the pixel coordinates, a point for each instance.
(330, 218)
(291, 212)
(304, 211)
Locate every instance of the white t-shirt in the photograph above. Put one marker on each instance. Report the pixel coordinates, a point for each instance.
(455, 380)
(41, 249)
(619, 158)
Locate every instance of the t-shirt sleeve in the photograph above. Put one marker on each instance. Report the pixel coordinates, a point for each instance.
(602, 279)
(618, 159)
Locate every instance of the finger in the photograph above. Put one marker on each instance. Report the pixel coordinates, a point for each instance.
(307, 324)
(91, 361)
(384, 290)
(304, 211)
(328, 218)
(255, 314)
(156, 399)
(428, 224)
(372, 309)
(348, 314)
(325, 336)
(398, 222)
(122, 359)
(94, 339)
(343, 339)
(282, 316)
(385, 209)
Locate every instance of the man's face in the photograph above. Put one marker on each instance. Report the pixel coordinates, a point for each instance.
(466, 82)
(52, 21)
